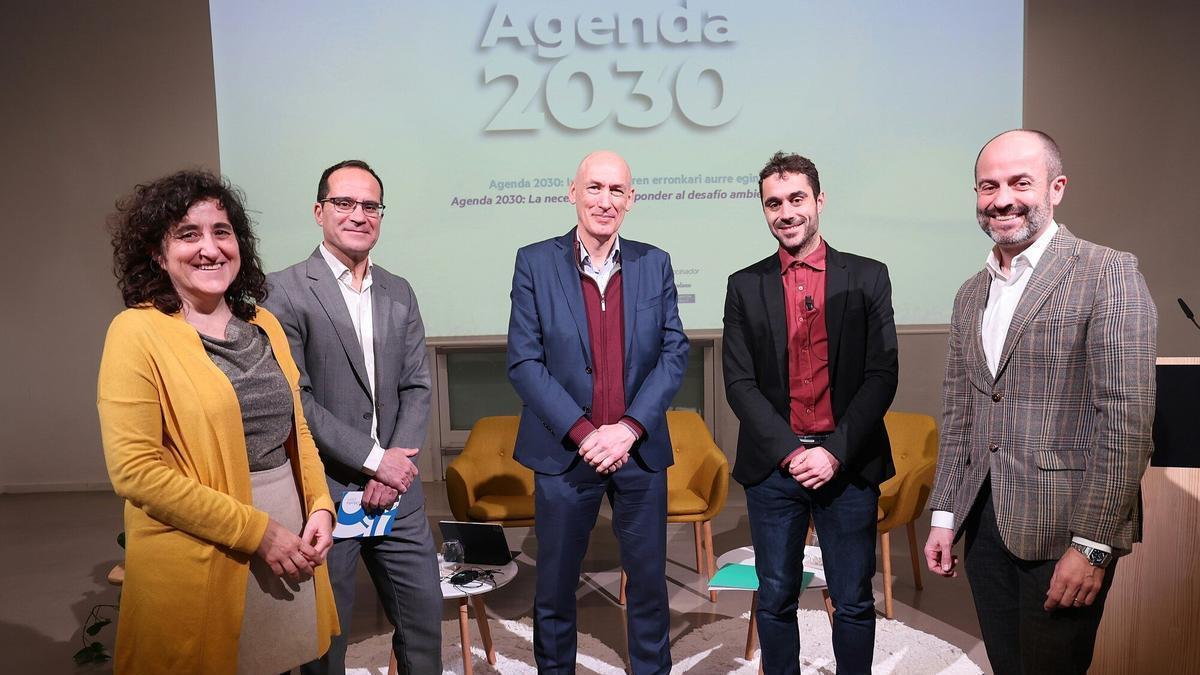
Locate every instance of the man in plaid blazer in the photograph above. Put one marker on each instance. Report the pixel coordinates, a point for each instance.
(1047, 409)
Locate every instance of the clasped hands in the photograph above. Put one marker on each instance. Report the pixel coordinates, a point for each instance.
(607, 448)
(811, 467)
(394, 475)
(295, 557)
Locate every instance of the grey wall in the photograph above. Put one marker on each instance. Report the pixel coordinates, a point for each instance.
(97, 96)
(1115, 83)
(100, 96)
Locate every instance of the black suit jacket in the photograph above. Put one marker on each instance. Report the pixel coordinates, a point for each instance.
(862, 366)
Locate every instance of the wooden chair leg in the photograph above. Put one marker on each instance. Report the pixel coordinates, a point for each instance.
(621, 596)
(393, 666)
(752, 631)
(698, 534)
(915, 555)
(885, 539)
(711, 564)
(808, 537)
(828, 604)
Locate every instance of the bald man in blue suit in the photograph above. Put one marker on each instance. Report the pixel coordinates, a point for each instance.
(596, 351)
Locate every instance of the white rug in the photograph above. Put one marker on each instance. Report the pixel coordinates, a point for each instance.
(711, 649)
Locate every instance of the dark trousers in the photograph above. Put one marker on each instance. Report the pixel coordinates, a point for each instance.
(567, 506)
(1021, 637)
(403, 566)
(845, 515)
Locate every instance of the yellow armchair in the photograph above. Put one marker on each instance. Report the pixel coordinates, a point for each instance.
(697, 486)
(484, 483)
(914, 440)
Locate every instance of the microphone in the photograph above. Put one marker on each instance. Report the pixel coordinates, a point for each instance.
(1187, 311)
(808, 303)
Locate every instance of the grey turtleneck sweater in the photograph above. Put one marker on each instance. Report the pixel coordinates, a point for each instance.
(262, 391)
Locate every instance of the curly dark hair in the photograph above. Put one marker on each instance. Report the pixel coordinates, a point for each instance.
(141, 224)
(782, 162)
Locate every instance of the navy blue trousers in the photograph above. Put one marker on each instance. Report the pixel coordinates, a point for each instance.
(567, 506)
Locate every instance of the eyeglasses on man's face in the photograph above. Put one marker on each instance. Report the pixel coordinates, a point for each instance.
(346, 205)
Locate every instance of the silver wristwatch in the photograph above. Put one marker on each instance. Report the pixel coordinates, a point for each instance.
(1095, 556)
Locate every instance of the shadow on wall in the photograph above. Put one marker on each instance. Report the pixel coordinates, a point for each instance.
(26, 650)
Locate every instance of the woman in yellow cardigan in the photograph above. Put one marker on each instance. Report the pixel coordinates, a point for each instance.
(227, 514)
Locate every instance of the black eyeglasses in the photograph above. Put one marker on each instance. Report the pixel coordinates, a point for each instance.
(346, 205)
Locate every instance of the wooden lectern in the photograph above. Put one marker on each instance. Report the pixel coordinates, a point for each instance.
(1152, 616)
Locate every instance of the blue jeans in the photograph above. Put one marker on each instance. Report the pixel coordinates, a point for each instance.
(845, 514)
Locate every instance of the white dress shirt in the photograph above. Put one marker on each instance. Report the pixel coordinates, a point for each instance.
(358, 302)
(604, 271)
(1003, 295)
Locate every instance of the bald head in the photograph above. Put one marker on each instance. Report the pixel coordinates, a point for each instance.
(606, 158)
(1018, 182)
(602, 193)
(1024, 141)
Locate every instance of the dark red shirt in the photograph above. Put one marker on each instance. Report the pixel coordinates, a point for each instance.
(808, 342)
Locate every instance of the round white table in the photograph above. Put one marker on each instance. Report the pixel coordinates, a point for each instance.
(466, 595)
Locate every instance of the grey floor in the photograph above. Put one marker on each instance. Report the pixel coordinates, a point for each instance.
(57, 549)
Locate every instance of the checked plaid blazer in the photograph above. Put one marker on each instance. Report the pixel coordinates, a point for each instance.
(1064, 427)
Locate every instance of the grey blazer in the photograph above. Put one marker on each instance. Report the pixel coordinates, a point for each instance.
(334, 387)
(1064, 427)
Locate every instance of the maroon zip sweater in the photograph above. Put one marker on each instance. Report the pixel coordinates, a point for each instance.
(606, 335)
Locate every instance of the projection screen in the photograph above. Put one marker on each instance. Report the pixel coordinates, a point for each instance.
(476, 114)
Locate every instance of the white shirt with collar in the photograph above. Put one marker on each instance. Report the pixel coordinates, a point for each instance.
(603, 272)
(358, 303)
(1003, 295)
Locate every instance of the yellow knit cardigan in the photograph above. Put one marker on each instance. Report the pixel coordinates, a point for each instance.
(176, 451)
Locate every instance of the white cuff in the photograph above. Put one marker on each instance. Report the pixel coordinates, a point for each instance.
(1093, 544)
(942, 519)
(371, 464)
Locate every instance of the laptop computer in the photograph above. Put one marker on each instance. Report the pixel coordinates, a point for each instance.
(483, 543)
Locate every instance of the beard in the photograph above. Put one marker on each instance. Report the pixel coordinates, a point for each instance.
(810, 227)
(1036, 217)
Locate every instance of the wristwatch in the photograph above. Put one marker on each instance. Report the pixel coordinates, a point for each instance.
(1095, 556)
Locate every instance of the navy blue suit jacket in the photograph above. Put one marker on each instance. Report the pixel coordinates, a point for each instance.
(550, 359)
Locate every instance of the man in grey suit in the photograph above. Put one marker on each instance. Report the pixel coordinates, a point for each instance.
(1047, 408)
(357, 337)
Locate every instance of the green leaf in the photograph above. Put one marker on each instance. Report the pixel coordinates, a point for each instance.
(93, 653)
(83, 656)
(96, 627)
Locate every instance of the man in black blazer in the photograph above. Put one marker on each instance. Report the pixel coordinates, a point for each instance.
(810, 369)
